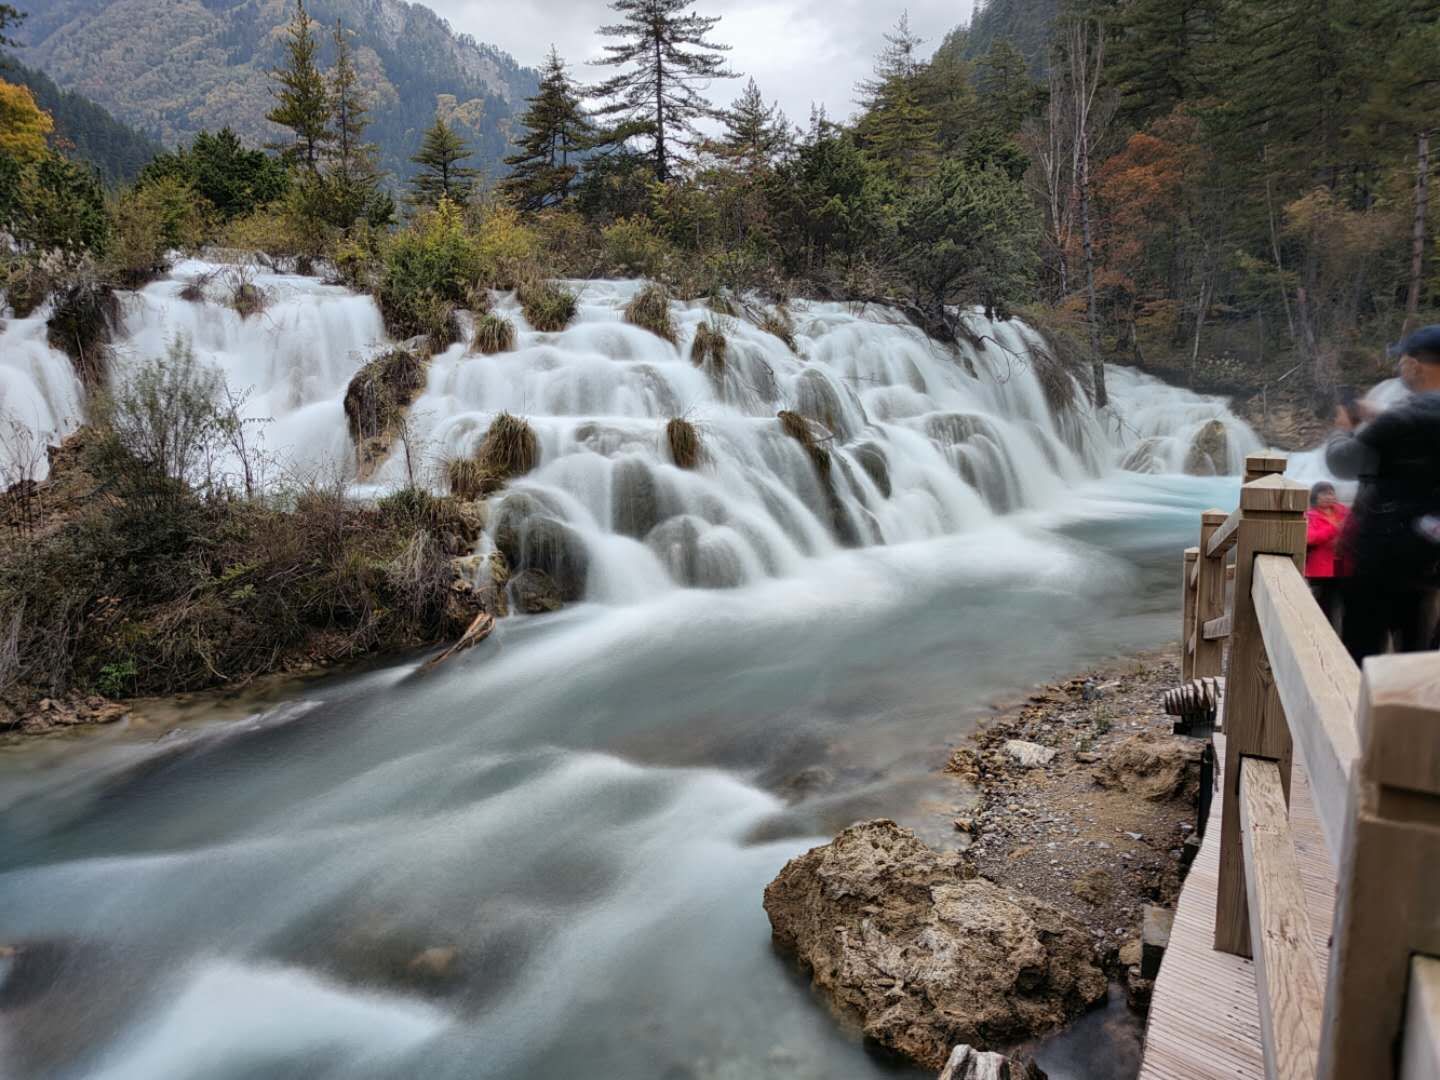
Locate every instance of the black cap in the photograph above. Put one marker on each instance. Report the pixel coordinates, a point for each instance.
(1423, 344)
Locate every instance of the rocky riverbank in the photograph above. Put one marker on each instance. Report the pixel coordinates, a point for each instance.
(1076, 803)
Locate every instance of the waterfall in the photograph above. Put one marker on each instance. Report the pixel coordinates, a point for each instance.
(918, 441)
(40, 397)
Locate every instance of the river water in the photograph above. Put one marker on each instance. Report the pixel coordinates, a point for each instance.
(546, 857)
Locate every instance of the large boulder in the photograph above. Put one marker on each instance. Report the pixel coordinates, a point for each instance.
(967, 1063)
(896, 934)
(1209, 453)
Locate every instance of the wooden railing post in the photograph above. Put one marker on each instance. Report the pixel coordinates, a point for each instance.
(1187, 614)
(1272, 522)
(1258, 466)
(1209, 599)
(1388, 887)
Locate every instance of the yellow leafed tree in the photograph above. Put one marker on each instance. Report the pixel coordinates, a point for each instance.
(23, 124)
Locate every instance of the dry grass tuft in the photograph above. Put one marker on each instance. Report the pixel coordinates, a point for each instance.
(684, 443)
(469, 479)
(799, 429)
(248, 299)
(548, 307)
(493, 334)
(380, 392)
(650, 310)
(509, 448)
(708, 348)
(777, 321)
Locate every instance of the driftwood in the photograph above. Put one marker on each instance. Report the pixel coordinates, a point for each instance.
(477, 631)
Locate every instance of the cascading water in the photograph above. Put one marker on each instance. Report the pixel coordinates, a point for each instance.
(545, 858)
(920, 442)
(40, 397)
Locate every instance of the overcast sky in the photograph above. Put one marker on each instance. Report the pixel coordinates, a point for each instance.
(799, 51)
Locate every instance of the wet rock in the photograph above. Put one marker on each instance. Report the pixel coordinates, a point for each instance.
(1209, 451)
(964, 763)
(530, 540)
(634, 500)
(433, 963)
(1144, 457)
(893, 932)
(1158, 767)
(967, 1063)
(872, 459)
(818, 399)
(51, 714)
(534, 592)
(1029, 755)
(807, 781)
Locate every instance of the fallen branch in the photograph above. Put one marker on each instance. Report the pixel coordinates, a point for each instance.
(476, 632)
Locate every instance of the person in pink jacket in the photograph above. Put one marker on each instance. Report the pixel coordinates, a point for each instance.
(1324, 559)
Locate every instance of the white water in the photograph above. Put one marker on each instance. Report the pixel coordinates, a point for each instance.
(40, 397)
(588, 808)
(926, 444)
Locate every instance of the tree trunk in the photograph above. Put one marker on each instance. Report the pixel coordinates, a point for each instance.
(1417, 239)
(1102, 397)
(659, 113)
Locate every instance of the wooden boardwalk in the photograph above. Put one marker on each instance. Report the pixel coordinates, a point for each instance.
(1204, 1015)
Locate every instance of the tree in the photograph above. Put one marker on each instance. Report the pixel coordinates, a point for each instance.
(23, 124)
(219, 168)
(947, 90)
(62, 208)
(1163, 54)
(664, 47)
(1006, 90)
(755, 133)
(557, 132)
(897, 129)
(9, 16)
(441, 176)
(302, 98)
(353, 179)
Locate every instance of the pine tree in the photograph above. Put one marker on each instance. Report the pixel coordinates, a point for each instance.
(1007, 93)
(1162, 54)
(898, 128)
(947, 91)
(353, 178)
(441, 176)
(663, 46)
(9, 16)
(557, 131)
(755, 133)
(302, 98)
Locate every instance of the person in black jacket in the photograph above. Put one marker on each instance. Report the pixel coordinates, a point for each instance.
(1393, 539)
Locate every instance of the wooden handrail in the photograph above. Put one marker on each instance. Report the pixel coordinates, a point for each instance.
(1219, 628)
(1209, 599)
(1420, 1053)
(1223, 538)
(1287, 970)
(1319, 686)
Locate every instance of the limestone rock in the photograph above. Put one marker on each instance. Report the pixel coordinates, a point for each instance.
(1143, 457)
(1209, 451)
(1159, 767)
(967, 1063)
(892, 931)
(535, 592)
(1029, 755)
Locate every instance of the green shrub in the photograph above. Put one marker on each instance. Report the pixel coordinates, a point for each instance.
(548, 307)
(427, 271)
(633, 247)
(507, 249)
(650, 310)
(493, 334)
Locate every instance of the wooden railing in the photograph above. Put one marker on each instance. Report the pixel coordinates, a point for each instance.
(1370, 744)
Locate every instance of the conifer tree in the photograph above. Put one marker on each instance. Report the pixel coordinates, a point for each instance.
(557, 130)
(441, 175)
(664, 49)
(10, 16)
(353, 177)
(1162, 53)
(1007, 92)
(898, 128)
(755, 133)
(302, 100)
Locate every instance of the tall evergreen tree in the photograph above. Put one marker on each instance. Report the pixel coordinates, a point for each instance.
(557, 131)
(10, 17)
(897, 127)
(353, 179)
(947, 91)
(664, 49)
(441, 175)
(1008, 94)
(302, 100)
(1163, 54)
(755, 133)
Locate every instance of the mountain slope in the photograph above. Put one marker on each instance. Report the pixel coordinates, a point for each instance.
(116, 149)
(177, 66)
(1025, 23)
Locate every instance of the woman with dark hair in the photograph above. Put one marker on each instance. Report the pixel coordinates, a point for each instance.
(1324, 561)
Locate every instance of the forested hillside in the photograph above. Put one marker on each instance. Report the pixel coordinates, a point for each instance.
(116, 149)
(177, 67)
(1026, 24)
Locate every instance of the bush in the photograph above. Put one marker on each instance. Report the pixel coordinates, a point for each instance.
(684, 443)
(507, 249)
(81, 325)
(650, 310)
(708, 347)
(246, 297)
(427, 272)
(493, 334)
(548, 307)
(633, 247)
(509, 448)
(149, 222)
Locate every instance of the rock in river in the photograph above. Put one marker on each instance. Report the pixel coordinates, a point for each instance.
(894, 933)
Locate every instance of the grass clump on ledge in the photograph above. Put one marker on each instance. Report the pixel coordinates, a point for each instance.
(469, 479)
(548, 307)
(379, 393)
(708, 348)
(779, 323)
(493, 334)
(799, 429)
(684, 442)
(650, 310)
(509, 448)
